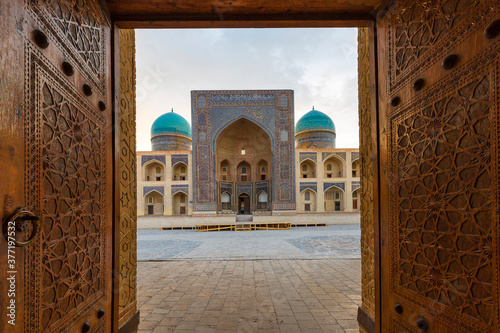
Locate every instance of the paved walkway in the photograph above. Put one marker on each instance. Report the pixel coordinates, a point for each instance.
(335, 241)
(299, 280)
(320, 295)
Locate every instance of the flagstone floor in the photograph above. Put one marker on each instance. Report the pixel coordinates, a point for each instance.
(316, 287)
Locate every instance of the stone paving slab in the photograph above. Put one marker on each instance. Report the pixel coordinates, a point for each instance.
(248, 295)
(334, 241)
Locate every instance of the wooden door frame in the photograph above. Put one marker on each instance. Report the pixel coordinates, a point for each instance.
(368, 24)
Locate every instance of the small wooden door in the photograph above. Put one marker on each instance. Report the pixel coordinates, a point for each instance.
(355, 204)
(307, 207)
(439, 67)
(337, 206)
(151, 209)
(56, 161)
(182, 210)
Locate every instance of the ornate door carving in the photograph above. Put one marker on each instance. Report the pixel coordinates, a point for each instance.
(439, 65)
(60, 139)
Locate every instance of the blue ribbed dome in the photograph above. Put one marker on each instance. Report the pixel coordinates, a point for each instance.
(314, 120)
(171, 123)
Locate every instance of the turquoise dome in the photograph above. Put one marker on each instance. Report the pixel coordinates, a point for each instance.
(314, 120)
(171, 123)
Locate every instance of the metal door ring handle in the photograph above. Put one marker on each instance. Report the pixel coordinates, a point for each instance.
(22, 214)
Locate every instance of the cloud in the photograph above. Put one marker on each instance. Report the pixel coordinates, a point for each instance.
(318, 64)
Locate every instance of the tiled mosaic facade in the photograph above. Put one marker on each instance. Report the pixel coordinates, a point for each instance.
(272, 110)
(162, 143)
(147, 158)
(355, 185)
(305, 156)
(309, 186)
(340, 154)
(179, 188)
(326, 186)
(179, 158)
(316, 139)
(148, 189)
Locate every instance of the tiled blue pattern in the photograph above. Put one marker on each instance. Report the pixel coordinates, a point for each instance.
(326, 186)
(147, 158)
(148, 189)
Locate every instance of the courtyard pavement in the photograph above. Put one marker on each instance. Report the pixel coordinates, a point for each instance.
(299, 280)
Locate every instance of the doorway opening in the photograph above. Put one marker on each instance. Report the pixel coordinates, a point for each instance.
(246, 158)
(244, 204)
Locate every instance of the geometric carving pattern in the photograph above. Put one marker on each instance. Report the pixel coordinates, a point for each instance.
(80, 30)
(73, 162)
(366, 146)
(128, 182)
(423, 30)
(66, 184)
(443, 223)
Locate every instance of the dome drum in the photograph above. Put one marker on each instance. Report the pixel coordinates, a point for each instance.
(171, 142)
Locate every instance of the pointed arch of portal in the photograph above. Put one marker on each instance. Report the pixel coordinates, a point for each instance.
(231, 122)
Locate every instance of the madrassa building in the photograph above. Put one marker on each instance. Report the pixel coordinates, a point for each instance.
(243, 155)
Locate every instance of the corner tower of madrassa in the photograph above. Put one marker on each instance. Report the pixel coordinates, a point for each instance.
(243, 155)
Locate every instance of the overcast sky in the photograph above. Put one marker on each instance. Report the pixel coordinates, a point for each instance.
(320, 65)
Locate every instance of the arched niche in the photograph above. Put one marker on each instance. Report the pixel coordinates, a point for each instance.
(224, 171)
(356, 168)
(262, 200)
(356, 199)
(225, 199)
(244, 172)
(262, 171)
(180, 203)
(308, 201)
(307, 169)
(243, 141)
(179, 171)
(334, 167)
(334, 199)
(153, 202)
(154, 171)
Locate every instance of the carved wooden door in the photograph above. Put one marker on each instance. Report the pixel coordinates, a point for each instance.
(55, 161)
(439, 81)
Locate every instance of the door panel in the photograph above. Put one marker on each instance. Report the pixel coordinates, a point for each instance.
(439, 157)
(65, 274)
